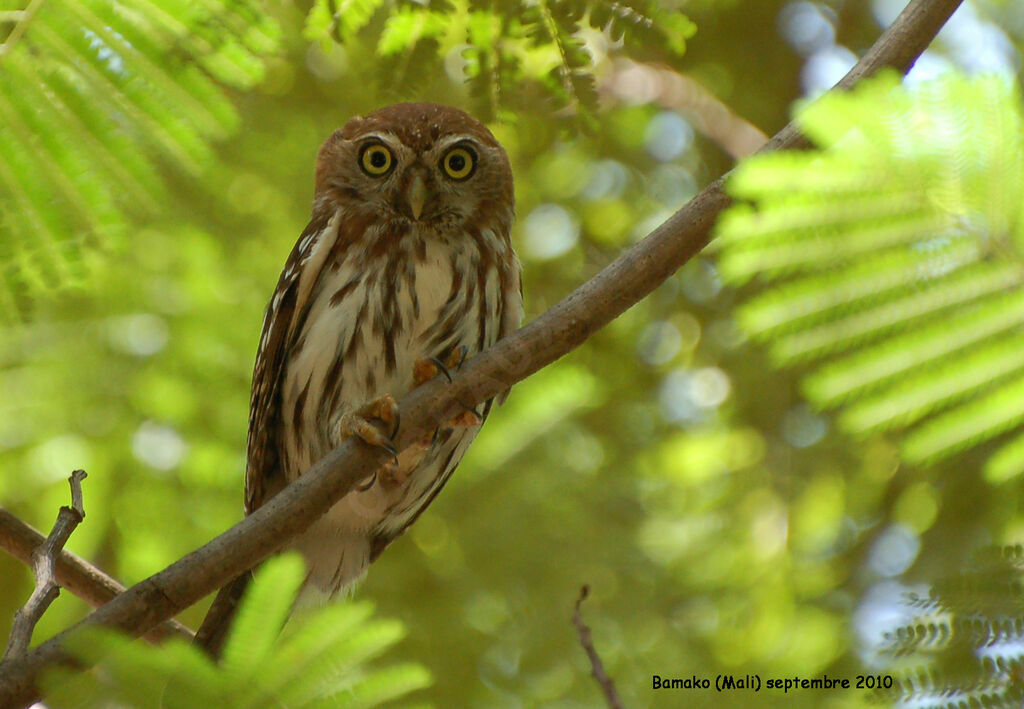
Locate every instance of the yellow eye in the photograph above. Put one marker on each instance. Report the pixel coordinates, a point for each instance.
(459, 163)
(376, 160)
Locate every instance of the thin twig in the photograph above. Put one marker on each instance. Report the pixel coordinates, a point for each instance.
(24, 17)
(561, 329)
(43, 563)
(633, 82)
(74, 574)
(611, 697)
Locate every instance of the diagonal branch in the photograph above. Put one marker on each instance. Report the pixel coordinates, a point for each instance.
(552, 335)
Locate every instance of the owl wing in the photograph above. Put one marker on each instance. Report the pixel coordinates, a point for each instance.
(511, 317)
(264, 474)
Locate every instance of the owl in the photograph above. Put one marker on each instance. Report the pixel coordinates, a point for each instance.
(405, 269)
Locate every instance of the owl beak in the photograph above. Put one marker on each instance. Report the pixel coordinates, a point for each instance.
(416, 196)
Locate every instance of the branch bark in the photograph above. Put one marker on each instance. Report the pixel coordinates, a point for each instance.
(74, 573)
(611, 695)
(43, 562)
(552, 335)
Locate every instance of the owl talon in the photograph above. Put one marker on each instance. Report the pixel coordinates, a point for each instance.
(467, 419)
(426, 368)
(358, 424)
(444, 370)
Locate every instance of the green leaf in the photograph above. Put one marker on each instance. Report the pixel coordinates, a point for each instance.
(110, 97)
(894, 260)
(268, 602)
(407, 27)
(322, 659)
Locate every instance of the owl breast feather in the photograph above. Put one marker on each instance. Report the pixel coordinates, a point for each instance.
(372, 313)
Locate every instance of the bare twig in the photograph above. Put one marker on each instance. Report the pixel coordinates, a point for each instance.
(635, 82)
(74, 573)
(611, 697)
(552, 335)
(43, 562)
(21, 18)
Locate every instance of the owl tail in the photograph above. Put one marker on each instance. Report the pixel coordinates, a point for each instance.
(214, 630)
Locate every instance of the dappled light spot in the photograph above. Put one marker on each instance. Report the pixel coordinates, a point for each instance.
(807, 26)
(826, 67)
(487, 612)
(918, 507)
(549, 231)
(801, 427)
(142, 335)
(701, 281)
(158, 446)
(894, 551)
(709, 387)
(659, 343)
(607, 180)
(668, 136)
(672, 185)
(770, 530)
(431, 535)
(50, 461)
(883, 607)
(690, 396)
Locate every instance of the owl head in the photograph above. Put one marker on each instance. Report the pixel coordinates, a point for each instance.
(416, 162)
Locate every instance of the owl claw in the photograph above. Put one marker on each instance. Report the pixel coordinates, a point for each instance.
(358, 424)
(426, 368)
(466, 419)
(444, 370)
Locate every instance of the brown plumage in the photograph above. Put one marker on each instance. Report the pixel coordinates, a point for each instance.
(407, 257)
(411, 263)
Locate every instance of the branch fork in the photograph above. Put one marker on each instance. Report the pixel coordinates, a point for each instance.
(44, 562)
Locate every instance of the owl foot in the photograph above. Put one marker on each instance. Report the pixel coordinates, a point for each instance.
(467, 419)
(426, 368)
(384, 409)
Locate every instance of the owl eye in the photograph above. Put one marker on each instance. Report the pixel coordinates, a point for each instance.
(459, 163)
(376, 160)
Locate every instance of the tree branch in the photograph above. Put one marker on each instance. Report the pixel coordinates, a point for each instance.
(544, 340)
(21, 20)
(74, 573)
(611, 695)
(43, 562)
(633, 82)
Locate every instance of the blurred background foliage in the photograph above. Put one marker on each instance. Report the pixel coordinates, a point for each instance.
(723, 524)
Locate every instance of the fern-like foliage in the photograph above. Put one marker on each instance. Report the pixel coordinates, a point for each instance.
(894, 262)
(509, 47)
(97, 99)
(320, 660)
(966, 648)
